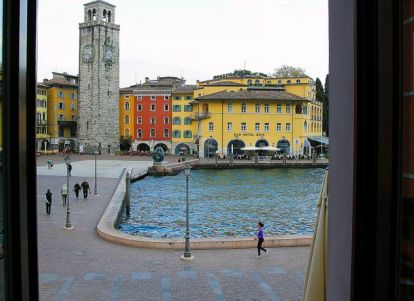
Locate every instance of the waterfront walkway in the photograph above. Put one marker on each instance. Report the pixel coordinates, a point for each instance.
(78, 265)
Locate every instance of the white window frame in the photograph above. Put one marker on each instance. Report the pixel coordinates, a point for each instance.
(278, 127)
(257, 127)
(210, 126)
(138, 133)
(153, 118)
(155, 133)
(168, 133)
(243, 108)
(288, 109)
(139, 97)
(243, 126)
(153, 97)
(139, 107)
(166, 97)
(288, 125)
(266, 108)
(257, 108)
(127, 104)
(229, 108)
(168, 120)
(153, 106)
(266, 127)
(230, 126)
(166, 105)
(139, 120)
(279, 109)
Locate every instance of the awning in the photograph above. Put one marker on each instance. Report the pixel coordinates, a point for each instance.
(320, 139)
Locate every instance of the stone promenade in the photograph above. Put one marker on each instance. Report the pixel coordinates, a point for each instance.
(79, 265)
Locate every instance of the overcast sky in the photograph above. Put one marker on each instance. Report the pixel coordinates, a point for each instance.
(195, 39)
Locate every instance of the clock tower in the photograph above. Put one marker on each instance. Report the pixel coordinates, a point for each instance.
(98, 121)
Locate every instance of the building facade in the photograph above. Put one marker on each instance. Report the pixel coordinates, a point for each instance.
(99, 77)
(62, 110)
(42, 136)
(149, 118)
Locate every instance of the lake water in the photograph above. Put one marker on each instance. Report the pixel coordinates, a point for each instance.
(225, 203)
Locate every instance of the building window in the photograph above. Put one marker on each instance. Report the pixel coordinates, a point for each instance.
(305, 110)
(166, 120)
(73, 106)
(153, 97)
(176, 134)
(287, 109)
(257, 82)
(266, 108)
(61, 106)
(188, 134)
(211, 126)
(176, 120)
(243, 108)
(139, 120)
(188, 108)
(73, 118)
(166, 133)
(127, 106)
(61, 117)
(126, 132)
(278, 127)
(279, 109)
(139, 133)
(266, 127)
(152, 120)
(166, 107)
(139, 97)
(166, 98)
(298, 81)
(187, 120)
(287, 127)
(188, 97)
(279, 81)
(243, 126)
(249, 82)
(61, 95)
(152, 133)
(257, 108)
(126, 119)
(177, 98)
(230, 126)
(289, 81)
(257, 127)
(176, 108)
(229, 107)
(72, 96)
(139, 107)
(152, 108)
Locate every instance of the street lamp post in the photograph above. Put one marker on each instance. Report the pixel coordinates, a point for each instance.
(187, 253)
(95, 191)
(68, 224)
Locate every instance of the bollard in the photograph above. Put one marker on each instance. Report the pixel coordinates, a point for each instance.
(127, 198)
(256, 158)
(216, 157)
(313, 157)
(284, 159)
(231, 159)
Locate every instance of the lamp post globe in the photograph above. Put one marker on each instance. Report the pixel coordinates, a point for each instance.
(187, 253)
(68, 225)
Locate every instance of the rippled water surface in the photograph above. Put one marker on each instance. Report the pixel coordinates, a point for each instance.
(225, 203)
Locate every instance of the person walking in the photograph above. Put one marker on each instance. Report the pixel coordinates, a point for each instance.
(85, 189)
(49, 163)
(48, 201)
(260, 239)
(76, 188)
(69, 169)
(64, 192)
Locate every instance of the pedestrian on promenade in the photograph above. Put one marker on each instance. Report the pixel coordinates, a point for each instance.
(85, 188)
(260, 238)
(69, 169)
(64, 192)
(48, 201)
(49, 163)
(76, 188)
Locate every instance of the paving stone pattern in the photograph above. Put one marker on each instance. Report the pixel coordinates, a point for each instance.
(79, 265)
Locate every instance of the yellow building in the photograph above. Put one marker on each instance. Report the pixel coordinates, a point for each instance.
(229, 121)
(42, 136)
(62, 110)
(183, 125)
(127, 114)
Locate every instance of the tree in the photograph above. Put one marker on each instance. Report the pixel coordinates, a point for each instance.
(320, 93)
(325, 120)
(289, 71)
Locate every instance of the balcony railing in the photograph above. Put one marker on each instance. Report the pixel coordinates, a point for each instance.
(67, 123)
(199, 116)
(41, 122)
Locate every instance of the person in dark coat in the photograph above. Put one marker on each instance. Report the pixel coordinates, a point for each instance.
(76, 188)
(48, 201)
(69, 169)
(85, 188)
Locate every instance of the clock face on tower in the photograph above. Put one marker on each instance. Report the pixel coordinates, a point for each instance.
(108, 56)
(87, 54)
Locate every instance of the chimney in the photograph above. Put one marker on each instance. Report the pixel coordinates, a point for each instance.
(146, 79)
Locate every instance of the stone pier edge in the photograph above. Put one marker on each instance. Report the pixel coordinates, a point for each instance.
(106, 229)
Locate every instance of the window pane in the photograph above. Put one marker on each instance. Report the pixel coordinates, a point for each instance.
(407, 239)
